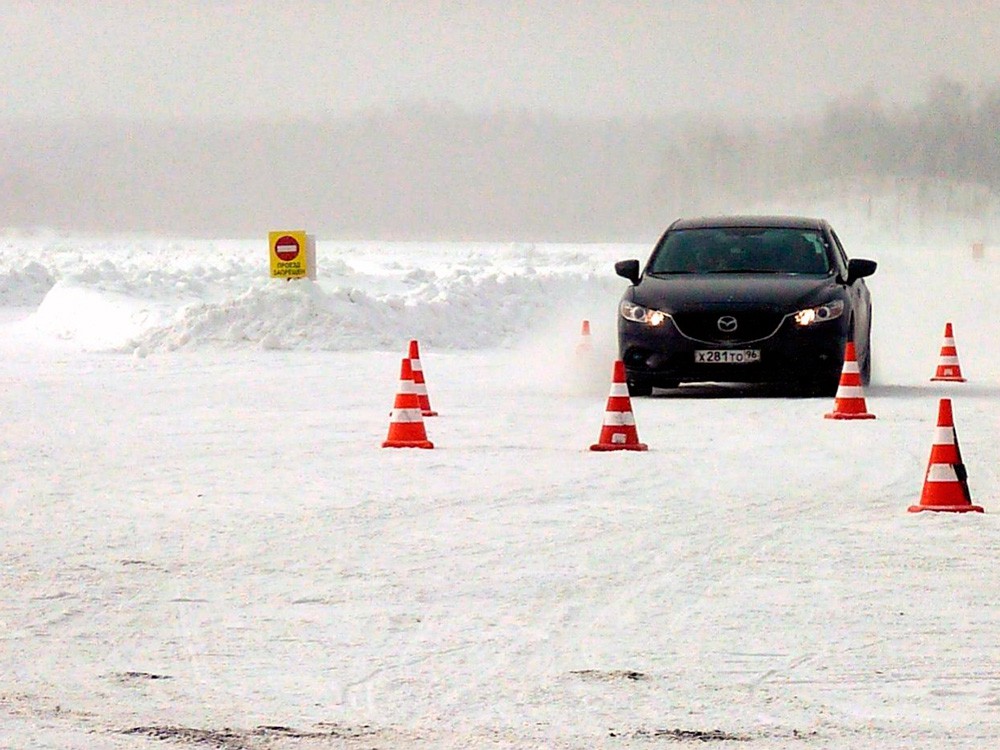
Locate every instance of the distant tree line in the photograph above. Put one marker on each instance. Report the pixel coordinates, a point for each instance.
(438, 172)
(950, 138)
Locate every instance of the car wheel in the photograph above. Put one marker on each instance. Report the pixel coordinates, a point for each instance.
(866, 367)
(866, 364)
(826, 386)
(639, 389)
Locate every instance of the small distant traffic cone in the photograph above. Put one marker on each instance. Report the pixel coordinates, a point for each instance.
(418, 380)
(618, 432)
(946, 486)
(849, 403)
(948, 368)
(584, 345)
(406, 426)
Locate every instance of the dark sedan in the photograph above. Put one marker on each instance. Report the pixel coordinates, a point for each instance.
(744, 299)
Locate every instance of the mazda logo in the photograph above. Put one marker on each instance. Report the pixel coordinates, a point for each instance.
(727, 324)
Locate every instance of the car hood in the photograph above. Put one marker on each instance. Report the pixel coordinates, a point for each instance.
(778, 292)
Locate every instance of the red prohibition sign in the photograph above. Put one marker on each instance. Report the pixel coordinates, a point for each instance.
(286, 248)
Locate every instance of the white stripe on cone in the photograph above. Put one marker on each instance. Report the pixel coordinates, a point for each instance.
(944, 436)
(941, 473)
(849, 391)
(851, 366)
(407, 415)
(619, 419)
(619, 389)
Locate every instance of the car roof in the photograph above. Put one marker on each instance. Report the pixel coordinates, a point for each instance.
(790, 222)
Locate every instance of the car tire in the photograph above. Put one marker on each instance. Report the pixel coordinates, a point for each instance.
(639, 389)
(866, 367)
(866, 364)
(822, 387)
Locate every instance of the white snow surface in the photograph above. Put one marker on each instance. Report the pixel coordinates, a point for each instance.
(205, 545)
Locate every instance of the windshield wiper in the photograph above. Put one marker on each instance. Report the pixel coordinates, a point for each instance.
(747, 270)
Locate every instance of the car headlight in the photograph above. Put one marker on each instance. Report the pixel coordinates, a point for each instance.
(640, 314)
(820, 313)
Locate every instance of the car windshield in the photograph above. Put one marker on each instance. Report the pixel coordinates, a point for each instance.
(741, 250)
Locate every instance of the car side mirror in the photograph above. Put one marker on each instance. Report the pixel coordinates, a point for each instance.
(628, 269)
(859, 268)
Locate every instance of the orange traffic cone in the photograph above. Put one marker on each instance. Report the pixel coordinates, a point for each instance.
(418, 381)
(406, 427)
(946, 486)
(849, 403)
(948, 368)
(618, 432)
(584, 345)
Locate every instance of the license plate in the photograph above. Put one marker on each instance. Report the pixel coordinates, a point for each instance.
(726, 356)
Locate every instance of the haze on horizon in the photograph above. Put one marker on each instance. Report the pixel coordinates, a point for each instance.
(208, 67)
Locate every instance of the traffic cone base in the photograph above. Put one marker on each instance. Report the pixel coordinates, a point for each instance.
(622, 447)
(849, 403)
(847, 415)
(618, 433)
(406, 425)
(947, 508)
(407, 444)
(946, 488)
(948, 369)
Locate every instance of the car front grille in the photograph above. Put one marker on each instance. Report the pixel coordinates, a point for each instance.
(751, 325)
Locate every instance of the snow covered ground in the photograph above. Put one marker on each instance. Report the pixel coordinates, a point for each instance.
(204, 545)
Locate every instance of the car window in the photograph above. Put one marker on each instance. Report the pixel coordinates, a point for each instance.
(841, 255)
(741, 250)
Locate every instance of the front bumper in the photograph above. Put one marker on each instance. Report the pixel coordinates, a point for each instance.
(662, 356)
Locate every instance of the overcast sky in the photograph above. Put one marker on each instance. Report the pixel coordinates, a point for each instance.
(221, 59)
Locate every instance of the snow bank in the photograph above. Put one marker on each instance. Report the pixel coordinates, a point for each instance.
(150, 295)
